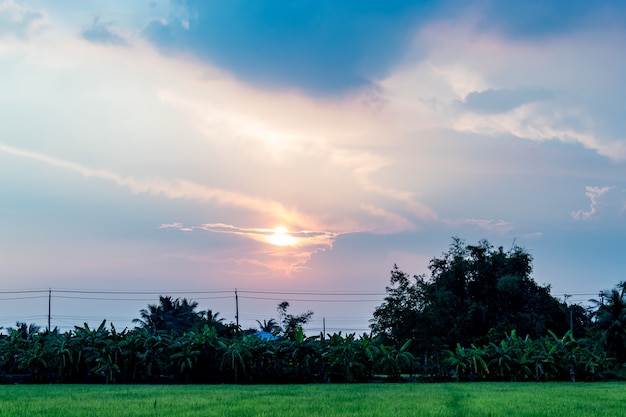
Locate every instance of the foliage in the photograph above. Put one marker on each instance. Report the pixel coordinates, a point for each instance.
(610, 322)
(480, 317)
(292, 322)
(392, 361)
(401, 317)
(473, 291)
(269, 326)
(171, 315)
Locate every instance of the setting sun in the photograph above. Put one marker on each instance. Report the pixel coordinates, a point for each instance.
(281, 237)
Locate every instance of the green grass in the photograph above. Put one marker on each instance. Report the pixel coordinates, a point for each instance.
(453, 399)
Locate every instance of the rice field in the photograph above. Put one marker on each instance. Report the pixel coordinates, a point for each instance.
(362, 400)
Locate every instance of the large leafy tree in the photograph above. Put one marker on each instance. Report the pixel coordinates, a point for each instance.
(402, 316)
(475, 294)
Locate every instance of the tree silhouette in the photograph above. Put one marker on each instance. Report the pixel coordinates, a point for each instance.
(611, 321)
(172, 315)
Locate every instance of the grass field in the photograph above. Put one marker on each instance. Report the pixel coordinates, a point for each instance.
(452, 399)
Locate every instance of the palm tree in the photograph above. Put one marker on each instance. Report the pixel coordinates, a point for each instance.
(171, 315)
(269, 326)
(611, 321)
(23, 330)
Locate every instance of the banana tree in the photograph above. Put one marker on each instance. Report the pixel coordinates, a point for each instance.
(152, 350)
(185, 355)
(468, 363)
(236, 356)
(503, 359)
(392, 361)
(61, 348)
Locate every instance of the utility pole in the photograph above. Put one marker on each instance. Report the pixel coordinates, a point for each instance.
(49, 305)
(237, 309)
(571, 314)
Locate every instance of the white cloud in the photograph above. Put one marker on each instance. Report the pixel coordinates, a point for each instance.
(391, 222)
(496, 226)
(19, 19)
(102, 32)
(174, 188)
(581, 72)
(594, 194)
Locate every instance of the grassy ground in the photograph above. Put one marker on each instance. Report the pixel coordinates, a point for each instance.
(454, 399)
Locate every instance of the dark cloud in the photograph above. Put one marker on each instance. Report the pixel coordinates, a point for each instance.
(329, 46)
(320, 46)
(101, 32)
(501, 101)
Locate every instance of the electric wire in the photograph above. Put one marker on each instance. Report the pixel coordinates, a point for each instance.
(332, 323)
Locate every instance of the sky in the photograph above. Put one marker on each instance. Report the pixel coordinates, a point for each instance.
(241, 153)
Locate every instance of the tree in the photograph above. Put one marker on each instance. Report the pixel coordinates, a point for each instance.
(269, 326)
(401, 316)
(392, 361)
(291, 323)
(468, 363)
(474, 291)
(214, 321)
(237, 355)
(171, 315)
(610, 320)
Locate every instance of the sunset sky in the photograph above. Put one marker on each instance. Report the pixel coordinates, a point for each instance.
(297, 150)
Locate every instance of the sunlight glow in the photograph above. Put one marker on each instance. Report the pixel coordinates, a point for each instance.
(281, 237)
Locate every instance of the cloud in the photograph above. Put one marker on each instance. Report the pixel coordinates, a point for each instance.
(19, 20)
(102, 32)
(391, 222)
(502, 100)
(175, 189)
(594, 194)
(278, 250)
(543, 124)
(538, 19)
(403, 156)
(322, 47)
(496, 226)
(326, 48)
(529, 90)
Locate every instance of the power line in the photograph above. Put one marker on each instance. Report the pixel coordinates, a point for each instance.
(127, 292)
(23, 298)
(338, 323)
(310, 299)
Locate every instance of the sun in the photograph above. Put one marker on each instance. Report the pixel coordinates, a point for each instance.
(281, 237)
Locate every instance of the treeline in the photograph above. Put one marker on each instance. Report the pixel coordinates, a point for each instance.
(481, 316)
(104, 355)
(478, 316)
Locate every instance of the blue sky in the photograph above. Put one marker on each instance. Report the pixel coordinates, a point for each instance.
(302, 147)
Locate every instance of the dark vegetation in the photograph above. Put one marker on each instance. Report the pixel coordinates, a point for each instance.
(479, 316)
